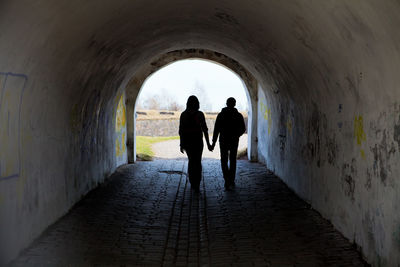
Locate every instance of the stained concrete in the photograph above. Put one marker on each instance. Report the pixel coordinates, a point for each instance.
(327, 101)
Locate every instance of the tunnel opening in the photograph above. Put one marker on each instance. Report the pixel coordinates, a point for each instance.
(163, 96)
(247, 82)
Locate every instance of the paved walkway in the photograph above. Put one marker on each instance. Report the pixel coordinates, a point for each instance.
(170, 149)
(146, 215)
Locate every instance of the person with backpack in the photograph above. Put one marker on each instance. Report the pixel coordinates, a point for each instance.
(229, 126)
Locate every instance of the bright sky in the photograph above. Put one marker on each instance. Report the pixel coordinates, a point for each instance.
(179, 80)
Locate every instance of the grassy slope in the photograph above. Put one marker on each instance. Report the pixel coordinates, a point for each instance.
(144, 143)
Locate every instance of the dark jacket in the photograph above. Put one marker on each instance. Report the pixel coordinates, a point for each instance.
(229, 125)
(192, 124)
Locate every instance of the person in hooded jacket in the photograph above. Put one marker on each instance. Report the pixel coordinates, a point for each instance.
(229, 125)
(192, 125)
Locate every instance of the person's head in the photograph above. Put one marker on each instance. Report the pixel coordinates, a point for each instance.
(192, 103)
(231, 102)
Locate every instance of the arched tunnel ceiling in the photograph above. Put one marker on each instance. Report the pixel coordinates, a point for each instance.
(288, 42)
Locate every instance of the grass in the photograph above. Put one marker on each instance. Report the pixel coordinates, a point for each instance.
(144, 143)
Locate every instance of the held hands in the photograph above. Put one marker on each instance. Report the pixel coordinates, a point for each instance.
(211, 147)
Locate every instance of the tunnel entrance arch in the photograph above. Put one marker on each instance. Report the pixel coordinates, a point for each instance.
(136, 83)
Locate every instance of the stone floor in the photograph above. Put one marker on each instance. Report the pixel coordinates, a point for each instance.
(146, 215)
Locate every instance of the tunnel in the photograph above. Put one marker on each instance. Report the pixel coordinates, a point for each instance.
(321, 76)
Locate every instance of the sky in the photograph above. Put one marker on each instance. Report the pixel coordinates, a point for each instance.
(180, 79)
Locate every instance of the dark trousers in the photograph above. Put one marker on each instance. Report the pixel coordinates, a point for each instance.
(194, 165)
(229, 151)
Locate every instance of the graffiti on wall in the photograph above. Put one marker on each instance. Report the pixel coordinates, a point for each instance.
(359, 133)
(289, 125)
(11, 91)
(120, 128)
(267, 115)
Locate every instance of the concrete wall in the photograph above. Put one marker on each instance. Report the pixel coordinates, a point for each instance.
(332, 134)
(327, 104)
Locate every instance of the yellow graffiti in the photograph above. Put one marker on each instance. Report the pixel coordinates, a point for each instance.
(120, 123)
(123, 138)
(359, 133)
(118, 147)
(121, 115)
(289, 125)
(362, 151)
(267, 116)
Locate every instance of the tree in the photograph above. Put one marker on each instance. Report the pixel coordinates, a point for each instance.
(175, 106)
(200, 92)
(152, 102)
(163, 101)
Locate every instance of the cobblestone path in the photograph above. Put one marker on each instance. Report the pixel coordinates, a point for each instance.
(146, 215)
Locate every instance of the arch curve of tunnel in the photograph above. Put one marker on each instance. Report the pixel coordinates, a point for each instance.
(136, 83)
(325, 101)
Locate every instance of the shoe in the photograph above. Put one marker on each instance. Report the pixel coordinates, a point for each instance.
(196, 189)
(227, 185)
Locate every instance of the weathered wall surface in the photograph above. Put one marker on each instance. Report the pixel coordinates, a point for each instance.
(56, 131)
(332, 135)
(328, 101)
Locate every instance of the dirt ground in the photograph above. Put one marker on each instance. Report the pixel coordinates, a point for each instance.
(170, 149)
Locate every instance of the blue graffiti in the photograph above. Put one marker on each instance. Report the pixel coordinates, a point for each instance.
(15, 84)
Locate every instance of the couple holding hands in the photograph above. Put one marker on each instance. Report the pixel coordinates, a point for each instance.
(229, 126)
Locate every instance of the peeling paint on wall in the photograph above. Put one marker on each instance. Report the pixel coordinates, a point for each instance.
(332, 149)
(368, 183)
(312, 149)
(382, 153)
(349, 174)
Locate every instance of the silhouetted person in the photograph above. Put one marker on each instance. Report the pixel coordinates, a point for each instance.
(192, 125)
(229, 126)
